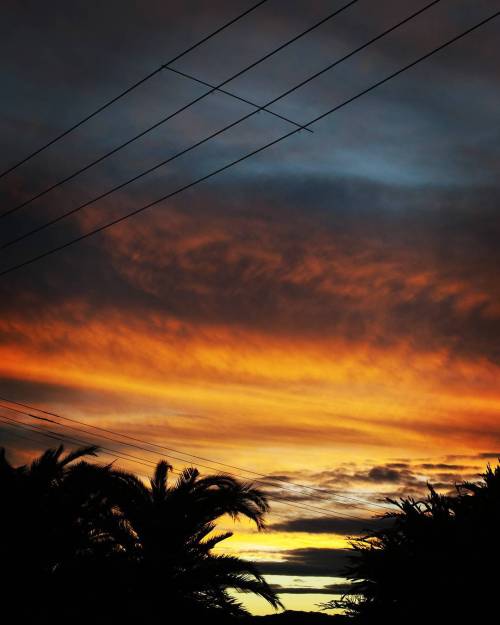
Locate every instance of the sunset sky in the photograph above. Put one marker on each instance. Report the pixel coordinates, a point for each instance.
(325, 313)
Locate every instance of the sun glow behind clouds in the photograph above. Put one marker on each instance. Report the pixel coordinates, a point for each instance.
(262, 388)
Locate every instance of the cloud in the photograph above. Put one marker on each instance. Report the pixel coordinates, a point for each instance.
(307, 563)
(353, 297)
(329, 589)
(326, 525)
(352, 274)
(390, 473)
(346, 486)
(439, 466)
(384, 474)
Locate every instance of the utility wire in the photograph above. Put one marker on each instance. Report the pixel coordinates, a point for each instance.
(237, 97)
(267, 483)
(246, 156)
(66, 439)
(211, 136)
(145, 477)
(42, 435)
(60, 438)
(132, 87)
(269, 480)
(77, 441)
(180, 110)
(55, 435)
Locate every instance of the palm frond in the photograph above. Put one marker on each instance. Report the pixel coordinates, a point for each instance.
(81, 452)
(186, 480)
(232, 572)
(159, 480)
(211, 542)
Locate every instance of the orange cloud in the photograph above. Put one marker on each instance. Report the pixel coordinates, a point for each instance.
(260, 391)
(268, 343)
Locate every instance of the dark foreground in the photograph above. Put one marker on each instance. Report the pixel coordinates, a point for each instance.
(98, 544)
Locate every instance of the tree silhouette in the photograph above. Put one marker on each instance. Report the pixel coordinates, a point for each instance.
(172, 528)
(437, 562)
(56, 521)
(98, 543)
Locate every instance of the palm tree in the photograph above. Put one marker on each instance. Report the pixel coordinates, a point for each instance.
(438, 558)
(173, 530)
(56, 523)
(103, 545)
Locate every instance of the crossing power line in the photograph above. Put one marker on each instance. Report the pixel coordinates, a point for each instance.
(237, 97)
(235, 162)
(180, 110)
(215, 134)
(132, 88)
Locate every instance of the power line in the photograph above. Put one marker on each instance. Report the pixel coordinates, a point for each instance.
(180, 110)
(77, 441)
(246, 156)
(237, 97)
(114, 457)
(275, 482)
(132, 87)
(211, 136)
(267, 483)
(57, 436)
(146, 477)
(32, 438)
(63, 438)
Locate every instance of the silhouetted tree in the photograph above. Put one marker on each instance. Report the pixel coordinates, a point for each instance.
(173, 534)
(55, 521)
(88, 540)
(437, 562)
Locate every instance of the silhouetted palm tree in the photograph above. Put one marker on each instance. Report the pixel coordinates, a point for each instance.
(437, 562)
(56, 522)
(99, 543)
(173, 529)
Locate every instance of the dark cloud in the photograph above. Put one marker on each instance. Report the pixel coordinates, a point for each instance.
(287, 223)
(308, 563)
(439, 466)
(391, 480)
(329, 589)
(333, 525)
(250, 268)
(379, 475)
(384, 474)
